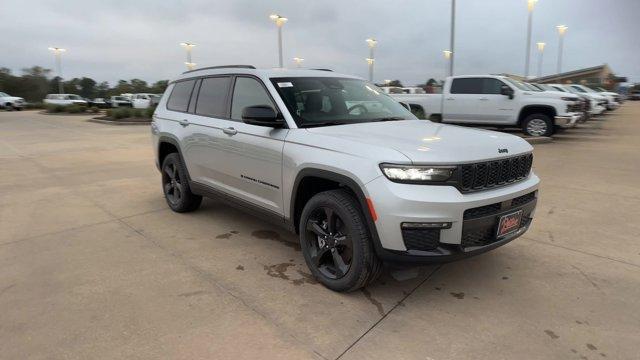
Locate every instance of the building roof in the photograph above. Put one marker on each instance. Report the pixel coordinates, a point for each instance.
(573, 73)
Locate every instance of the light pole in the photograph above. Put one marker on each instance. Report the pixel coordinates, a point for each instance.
(448, 56)
(188, 46)
(279, 20)
(530, 5)
(298, 61)
(561, 30)
(57, 52)
(540, 53)
(452, 35)
(371, 42)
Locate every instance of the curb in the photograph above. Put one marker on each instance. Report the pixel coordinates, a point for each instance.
(538, 140)
(111, 122)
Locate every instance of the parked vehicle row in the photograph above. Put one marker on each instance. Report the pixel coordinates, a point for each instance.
(500, 101)
(138, 101)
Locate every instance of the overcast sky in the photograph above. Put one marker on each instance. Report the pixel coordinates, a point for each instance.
(112, 40)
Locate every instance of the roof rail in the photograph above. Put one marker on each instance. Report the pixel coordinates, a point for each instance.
(222, 67)
(322, 69)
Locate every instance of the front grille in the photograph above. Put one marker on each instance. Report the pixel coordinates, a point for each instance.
(587, 105)
(480, 211)
(574, 107)
(485, 236)
(421, 239)
(521, 200)
(484, 175)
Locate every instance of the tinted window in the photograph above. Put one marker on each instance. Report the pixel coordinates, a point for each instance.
(179, 99)
(491, 86)
(467, 86)
(248, 92)
(212, 98)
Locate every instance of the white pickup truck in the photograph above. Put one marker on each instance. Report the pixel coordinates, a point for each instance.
(491, 100)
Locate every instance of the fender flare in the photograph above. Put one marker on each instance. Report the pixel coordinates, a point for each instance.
(344, 181)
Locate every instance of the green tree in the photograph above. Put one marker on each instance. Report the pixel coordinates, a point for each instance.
(88, 87)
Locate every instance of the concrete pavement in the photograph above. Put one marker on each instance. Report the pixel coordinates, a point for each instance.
(94, 265)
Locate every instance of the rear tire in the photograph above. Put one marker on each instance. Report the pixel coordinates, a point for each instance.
(175, 185)
(537, 125)
(335, 242)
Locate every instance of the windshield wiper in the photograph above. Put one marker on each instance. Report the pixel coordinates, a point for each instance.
(389, 118)
(326, 123)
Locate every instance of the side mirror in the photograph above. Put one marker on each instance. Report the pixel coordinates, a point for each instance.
(506, 91)
(261, 115)
(405, 105)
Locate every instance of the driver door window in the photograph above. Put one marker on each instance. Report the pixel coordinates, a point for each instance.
(248, 92)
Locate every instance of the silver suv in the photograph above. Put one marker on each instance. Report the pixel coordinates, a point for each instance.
(349, 169)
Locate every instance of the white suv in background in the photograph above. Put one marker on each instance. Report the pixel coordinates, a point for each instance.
(598, 102)
(9, 102)
(334, 159)
(64, 99)
(143, 101)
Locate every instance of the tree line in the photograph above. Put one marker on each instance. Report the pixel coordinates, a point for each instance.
(36, 82)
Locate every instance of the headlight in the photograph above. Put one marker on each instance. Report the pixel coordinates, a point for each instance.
(417, 173)
(566, 98)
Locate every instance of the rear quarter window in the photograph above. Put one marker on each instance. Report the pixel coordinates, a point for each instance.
(180, 95)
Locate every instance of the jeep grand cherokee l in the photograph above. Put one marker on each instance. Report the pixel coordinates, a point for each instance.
(349, 169)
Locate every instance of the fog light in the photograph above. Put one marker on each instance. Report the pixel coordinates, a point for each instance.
(426, 225)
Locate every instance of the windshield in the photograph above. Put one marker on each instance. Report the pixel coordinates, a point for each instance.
(3, 94)
(517, 84)
(319, 101)
(74, 97)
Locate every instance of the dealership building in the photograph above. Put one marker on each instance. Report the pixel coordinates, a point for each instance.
(597, 76)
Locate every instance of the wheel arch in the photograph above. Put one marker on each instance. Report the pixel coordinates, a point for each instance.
(168, 144)
(547, 110)
(309, 179)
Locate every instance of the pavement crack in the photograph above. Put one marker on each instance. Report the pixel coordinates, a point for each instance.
(388, 312)
(579, 251)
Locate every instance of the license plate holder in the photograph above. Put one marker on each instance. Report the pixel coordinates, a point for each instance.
(509, 223)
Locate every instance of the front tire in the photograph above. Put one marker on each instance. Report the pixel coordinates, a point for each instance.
(537, 125)
(336, 243)
(175, 185)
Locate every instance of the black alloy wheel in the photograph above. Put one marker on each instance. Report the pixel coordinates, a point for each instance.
(330, 246)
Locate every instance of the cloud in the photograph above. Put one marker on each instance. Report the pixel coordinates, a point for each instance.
(111, 40)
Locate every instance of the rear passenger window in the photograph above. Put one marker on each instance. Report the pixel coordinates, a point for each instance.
(179, 98)
(248, 92)
(467, 86)
(212, 98)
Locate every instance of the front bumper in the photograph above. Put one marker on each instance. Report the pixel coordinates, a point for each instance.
(567, 121)
(403, 203)
(612, 105)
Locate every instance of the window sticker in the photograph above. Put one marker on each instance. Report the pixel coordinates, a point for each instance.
(285, 84)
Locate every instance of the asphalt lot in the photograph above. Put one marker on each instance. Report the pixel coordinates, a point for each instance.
(93, 265)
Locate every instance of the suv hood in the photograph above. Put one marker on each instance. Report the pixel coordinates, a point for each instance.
(11, 98)
(425, 142)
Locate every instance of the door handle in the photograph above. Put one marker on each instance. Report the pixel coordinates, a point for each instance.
(483, 99)
(184, 122)
(230, 131)
(450, 98)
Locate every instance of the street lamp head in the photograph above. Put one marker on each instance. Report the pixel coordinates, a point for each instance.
(372, 42)
(531, 4)
(278, 19)
(298, 60)
(562, 29)
(187, 45)
(541, 46)
(57, 49)
(447, 54)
